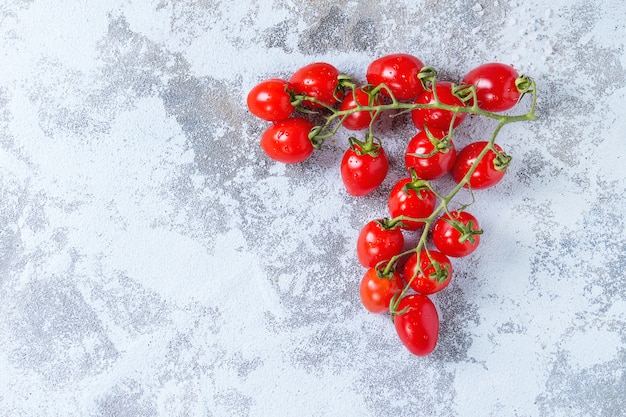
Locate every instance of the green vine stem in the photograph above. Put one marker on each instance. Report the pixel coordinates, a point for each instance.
(467, 94)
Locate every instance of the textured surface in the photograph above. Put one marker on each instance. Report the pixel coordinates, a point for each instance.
(154, 262)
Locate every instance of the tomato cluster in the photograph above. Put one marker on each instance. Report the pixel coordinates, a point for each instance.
(400, 280)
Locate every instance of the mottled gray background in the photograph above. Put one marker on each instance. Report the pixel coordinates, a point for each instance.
(154, 262)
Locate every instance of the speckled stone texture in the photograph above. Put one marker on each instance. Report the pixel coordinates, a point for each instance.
(155, 263)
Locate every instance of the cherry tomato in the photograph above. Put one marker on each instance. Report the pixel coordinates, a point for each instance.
(495, 86)
(489, 171)
(437, 119)
(437, 272)
(361, 119)
(318, 80)
(269, 100)
(459, 238)
(362, 172)
(378, 242)
(399, 73)
(438, 162)
(404, 200)
(377, 291)
(288, 140)
(417, 324)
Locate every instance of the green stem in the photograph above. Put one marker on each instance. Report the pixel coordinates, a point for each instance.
(320, 133)
(325, 131)
(443, 206)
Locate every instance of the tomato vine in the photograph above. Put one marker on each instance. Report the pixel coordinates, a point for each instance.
(401, 83)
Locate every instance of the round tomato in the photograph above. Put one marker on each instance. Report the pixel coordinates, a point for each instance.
(363, 171)
(378, 242)
(429, 161)
(399, 73)
(408, 200)
(435, 274)
(456, 235)
(269, 100)
(438, 119)
(320, 81)
(417, 323)
(488, 172)
(496, 88)
(377, 290)
(361, 119)
(288, 140)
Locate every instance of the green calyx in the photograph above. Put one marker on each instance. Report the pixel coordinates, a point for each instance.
(386, 224)
(372, 146)
(383, 272)
(417, 185)
(466, 231)
(502, 161)
(428, 77)
(464, 92)
(524, 84)
(441, 272)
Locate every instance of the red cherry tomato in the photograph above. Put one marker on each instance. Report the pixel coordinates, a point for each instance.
(377, 291)
(487, 172)
(437, 119)
(495, 86)
(458, 238)
(362, 172)
(406, 201)
(318, 80)
(399, 73)
(434, 163)
(288, 140)
(377, 242)
(437, 270)
(269, 100)
(417, 324)
(361, 119)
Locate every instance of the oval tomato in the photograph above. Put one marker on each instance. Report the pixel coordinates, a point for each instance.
(496, 88)
(489, 171)
(426, 159)
(376, 291)
(318, 80)
(399, 73)
(417, 324)
(404, 200)
(363, 171)
(288, 140)
(269, 100)
(361, 119)
(456, 234)
(437, 119)
(436, 268)
(378, 242)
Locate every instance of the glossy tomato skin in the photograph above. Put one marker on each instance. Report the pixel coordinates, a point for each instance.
(378, 243)
(485, 175)
(288, 140)
(361, 119)
(376, 292)
(418, 325)
(399, 73)
(361, 172)
(495, 86)
(437, 119)
(431, 167)
(269, 100)
(431, 281)
(447, 238)
(408, 202)
(318, 80)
